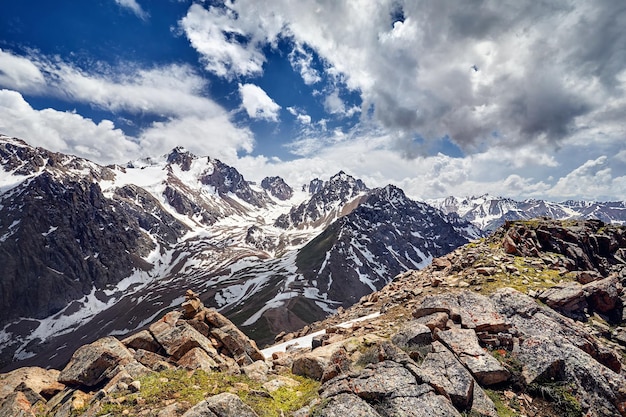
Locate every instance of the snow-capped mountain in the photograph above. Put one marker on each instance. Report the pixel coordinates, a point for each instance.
(87, 250)
(488, 212)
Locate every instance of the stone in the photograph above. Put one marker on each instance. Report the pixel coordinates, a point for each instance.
(215, 319)
(434, 321)
(43, 382)
(135, 386)
(16, 405)
(603, 295)
(346, 404)
(278, 382)
(542, 360)
(90, 364)
(142, 340)
(567, 297)
(152, 360)
(413, 334)
(257, 371)
(464, 343)
(338, 364)
(438, 303)
(441, 263)
(482, 405)
(192, 305)
(241, 347)
(200, 410)
(228, 405)
(198, 358)
(179, 338)
(479, 313)
(585, 277)
(427, 404)
(442, 370)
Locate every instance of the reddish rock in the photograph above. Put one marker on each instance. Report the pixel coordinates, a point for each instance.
(197, 358)
(142, 340)
(91, 363)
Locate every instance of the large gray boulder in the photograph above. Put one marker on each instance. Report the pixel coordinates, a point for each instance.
(464, 343)
(448, 376)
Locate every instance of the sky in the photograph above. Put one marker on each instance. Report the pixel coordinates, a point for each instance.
(520, 99)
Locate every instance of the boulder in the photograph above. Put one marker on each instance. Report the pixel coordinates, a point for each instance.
(427, 404)
(413, 334)
(479, 313)
(482, 405)
(142, 340)
(603, 295)
(179, 338)
(215, 319)
(438, 303)
(542, 360)
(567, 297)
(152, 360)
(346, 404)
(464, 343)
(197, 358)
(228, 405)
(257, 371)
(16, 405)
(434, 321)
(41, 381)
(448, 376)
(91, 364)
(241, 347)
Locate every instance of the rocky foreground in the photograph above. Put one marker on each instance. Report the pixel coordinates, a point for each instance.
(527, 322)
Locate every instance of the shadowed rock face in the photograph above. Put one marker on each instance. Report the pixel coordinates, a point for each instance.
(277, 187)
(66, 239)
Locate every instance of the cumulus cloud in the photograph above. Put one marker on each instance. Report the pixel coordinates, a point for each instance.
(301, 117)
(257, 103)
(18, 72)
(302, 61)
(225, 49)
(430, 69)
(593, 178)
(134, 7)
(64, 131)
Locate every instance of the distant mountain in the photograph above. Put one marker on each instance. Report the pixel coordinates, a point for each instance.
(488, 212)
(88, 251)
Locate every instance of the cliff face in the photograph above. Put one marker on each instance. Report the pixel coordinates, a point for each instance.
(463, 336)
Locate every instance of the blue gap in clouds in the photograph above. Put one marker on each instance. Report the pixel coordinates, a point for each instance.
(96, 31)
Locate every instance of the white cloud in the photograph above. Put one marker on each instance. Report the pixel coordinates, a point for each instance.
(590, 180)
(214, 136)
(17, 72)
(64, 131)
(301, 117)
(134, 7)
(257, 103)
(221, 44)
(302, 61)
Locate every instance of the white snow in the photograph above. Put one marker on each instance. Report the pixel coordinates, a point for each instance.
(305, 341)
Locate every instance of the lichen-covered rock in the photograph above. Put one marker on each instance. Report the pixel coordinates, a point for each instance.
(413, 334)
(42, 381)
(91, 363)
(464, 343)
(179, 338)
(344, 405)
(442, 370)
(142, 340)
(241, 347)
(198, 358)
(221, 405)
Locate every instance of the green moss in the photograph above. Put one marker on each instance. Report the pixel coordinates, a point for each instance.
(192, 387)
(504, 407)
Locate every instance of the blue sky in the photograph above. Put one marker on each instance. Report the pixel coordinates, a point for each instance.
(523, 100)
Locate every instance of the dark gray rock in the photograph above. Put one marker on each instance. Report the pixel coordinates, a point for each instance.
(343, 405)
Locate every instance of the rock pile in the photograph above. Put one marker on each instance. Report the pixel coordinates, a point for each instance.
(194, 338)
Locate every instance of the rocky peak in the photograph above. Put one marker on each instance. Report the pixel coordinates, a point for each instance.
(181, 157)
(227, 179)
(277, 187)
(314, 186)
(327, 202)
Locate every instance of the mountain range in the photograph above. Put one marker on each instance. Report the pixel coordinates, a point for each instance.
(88, 250)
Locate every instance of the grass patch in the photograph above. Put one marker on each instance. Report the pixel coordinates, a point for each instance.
(560, 395)
(504, 407)
(189, 388)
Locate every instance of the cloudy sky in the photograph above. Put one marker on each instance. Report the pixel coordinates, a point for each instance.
(523, 99)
